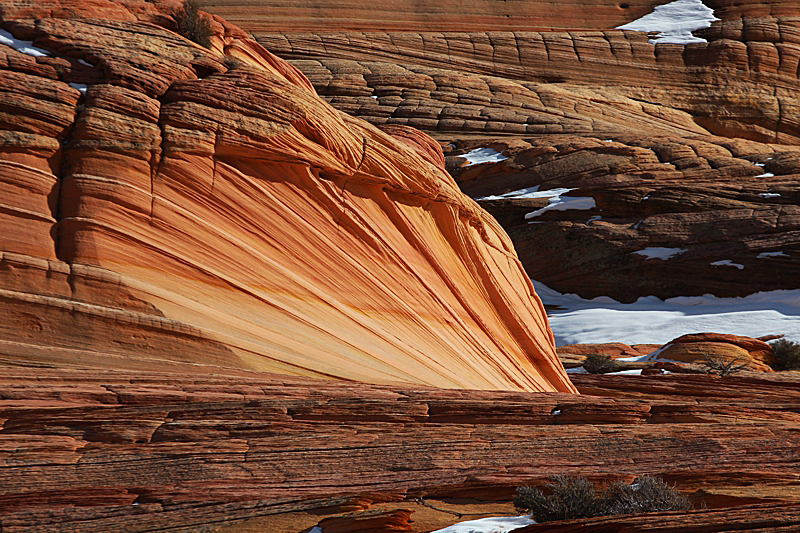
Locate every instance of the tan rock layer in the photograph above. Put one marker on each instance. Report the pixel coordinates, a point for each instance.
(194, 209)
(663, 78)
(404, 16)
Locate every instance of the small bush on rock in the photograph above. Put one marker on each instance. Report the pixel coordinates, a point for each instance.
(786, 355)
(599, 364)
(192, 25)
(569, 497)
(646, 494)
(575, 497)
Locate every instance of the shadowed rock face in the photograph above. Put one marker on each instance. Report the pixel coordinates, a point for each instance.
(187, 209)
(727, 208)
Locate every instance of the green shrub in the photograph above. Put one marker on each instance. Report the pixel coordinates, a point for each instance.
(599, 364)
(192, 25)
(786, 355)
(575, 497)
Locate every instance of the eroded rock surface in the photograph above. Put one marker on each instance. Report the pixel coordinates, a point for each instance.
(702, 155)
(101, 450)
(166, 204)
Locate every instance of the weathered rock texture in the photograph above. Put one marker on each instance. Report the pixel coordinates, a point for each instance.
(427, 15)
(680, 172)
(706, 348)
(94, 450)
(196, 210)
(728, 209)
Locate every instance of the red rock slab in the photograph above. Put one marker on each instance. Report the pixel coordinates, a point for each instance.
(191, 450)
(613, 349)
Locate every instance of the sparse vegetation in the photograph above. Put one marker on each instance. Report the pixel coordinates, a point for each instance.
(786, 355)
(599, 364)
(576, 497)
(723, 367)
(192, 25)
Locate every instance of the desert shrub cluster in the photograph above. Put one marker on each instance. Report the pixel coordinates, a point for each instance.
(786, 355)
(568, 498)
(192, 25)
(599, 364)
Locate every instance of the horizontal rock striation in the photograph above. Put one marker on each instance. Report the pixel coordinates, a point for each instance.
(168, 204)
(92, 450)
(725, 210)
(405, 16)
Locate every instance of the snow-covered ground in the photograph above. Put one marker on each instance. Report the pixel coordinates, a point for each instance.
(651, 320)
(675, 22)
(500, 524)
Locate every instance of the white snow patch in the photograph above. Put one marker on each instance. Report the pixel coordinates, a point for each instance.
(764, 255)
(634, 372)
(500, 524)
(769, 195)
(82, 62)
(555, 412)
(374, 97)
(727, 262)
(636, 226)
(592, 219)
(316, 529)
(659, 253)
(766, 175)
(26, 47)
(483, 155)
(651, 320)
(530, 192)
(576, 370)
(557, 203)
(675, 22)
(80, 86)
(646, 196)
(759, 164)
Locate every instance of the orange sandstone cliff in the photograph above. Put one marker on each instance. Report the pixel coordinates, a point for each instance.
(167, 206)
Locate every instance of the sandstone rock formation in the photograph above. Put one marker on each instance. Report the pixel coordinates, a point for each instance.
(105, 450)
(726, 209)
(168, 206)
(701, 348)
(680, 120)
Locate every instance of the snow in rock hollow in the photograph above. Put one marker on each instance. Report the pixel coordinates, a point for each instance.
(557, 203)
(727, 262)
(500, 524)
(25, 47)
(675, 22)
(659, 253)
(765, 255)
(651, 320)
(483, 155)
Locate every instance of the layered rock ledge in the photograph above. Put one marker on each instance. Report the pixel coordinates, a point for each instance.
(167, 204)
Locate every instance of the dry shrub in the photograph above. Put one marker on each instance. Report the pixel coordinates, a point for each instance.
(786, 355)
(569, 498)
(192, 25)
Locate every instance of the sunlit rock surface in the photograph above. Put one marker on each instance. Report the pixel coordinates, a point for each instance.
(172, 206)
